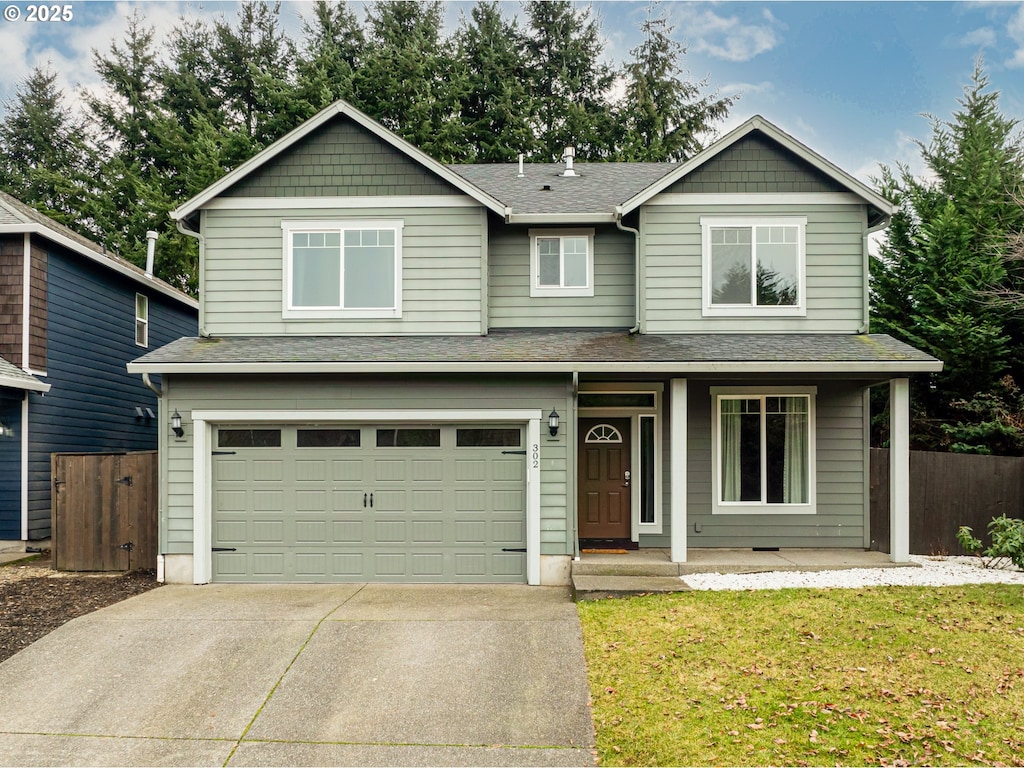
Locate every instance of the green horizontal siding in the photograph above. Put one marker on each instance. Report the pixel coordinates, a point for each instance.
(442, 272)
(840, 518)
(671, 271)
(509, 300)
(188, 393)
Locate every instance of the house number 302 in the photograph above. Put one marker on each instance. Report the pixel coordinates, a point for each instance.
(535, 456)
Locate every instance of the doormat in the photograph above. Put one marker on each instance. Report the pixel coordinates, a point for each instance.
(603, 551)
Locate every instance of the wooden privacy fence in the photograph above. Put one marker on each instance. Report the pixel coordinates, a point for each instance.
(104, 511)
(947, 490)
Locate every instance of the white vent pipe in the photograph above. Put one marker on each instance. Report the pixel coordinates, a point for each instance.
(151, 237)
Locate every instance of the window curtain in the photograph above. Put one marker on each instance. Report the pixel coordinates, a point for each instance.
(796, 454)
(731, 411)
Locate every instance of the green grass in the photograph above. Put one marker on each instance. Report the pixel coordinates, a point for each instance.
(881, 676)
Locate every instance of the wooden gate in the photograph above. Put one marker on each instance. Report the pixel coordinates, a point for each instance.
(104, 511)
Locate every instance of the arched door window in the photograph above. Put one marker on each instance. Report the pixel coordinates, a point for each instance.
(603, 433)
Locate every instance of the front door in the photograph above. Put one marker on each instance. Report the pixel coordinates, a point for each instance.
(604, 479)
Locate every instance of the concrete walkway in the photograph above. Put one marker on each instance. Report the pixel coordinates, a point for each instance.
(306, 675)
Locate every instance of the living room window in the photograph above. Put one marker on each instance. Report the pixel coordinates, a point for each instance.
(343, 269)
(763, 444)
(753, 266)
(562, 262)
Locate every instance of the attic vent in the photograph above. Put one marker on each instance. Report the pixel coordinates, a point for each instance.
(567, 156)
(546, 188)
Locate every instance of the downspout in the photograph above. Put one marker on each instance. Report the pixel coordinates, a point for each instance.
(868, 231)
(180, 226)
(149, 383)
(574, 468)
(636, 270)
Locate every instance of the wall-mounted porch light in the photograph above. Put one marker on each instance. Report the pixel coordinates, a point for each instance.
(553, 422)
(5, 430)
(176, 424)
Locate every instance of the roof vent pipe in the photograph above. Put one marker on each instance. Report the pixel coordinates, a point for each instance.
(568, 155)
(522, 173)
(151, 237)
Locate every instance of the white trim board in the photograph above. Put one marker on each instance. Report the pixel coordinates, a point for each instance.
(320, 203)
(202, 501)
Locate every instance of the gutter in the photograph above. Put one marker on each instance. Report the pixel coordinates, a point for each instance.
(636, 269)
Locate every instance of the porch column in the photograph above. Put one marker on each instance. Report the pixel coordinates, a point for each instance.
(677, 471)
(899, 470)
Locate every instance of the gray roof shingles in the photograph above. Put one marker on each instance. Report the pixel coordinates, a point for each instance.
(540, 346)
(598, 188)
(17, 377)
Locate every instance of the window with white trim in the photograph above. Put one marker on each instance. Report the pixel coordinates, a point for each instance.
(342, 269)
(141, 320)
(763, 447)
(754, 266)
(562, 262)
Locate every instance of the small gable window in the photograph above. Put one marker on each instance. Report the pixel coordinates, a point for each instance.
(753, 266)
(562, 262)
(141, 320)
(343, 269)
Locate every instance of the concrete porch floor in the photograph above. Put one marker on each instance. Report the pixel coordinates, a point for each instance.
(606, 574)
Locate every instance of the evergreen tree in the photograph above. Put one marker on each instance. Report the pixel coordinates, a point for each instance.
(495, 107)
(943, 257)
(663, 116)
(409, 82)
(332, 52)
(45, 161)
(568, 81)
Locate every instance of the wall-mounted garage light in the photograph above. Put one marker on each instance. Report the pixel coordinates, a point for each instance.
(176, 424)
(5, 430)
(553, 422)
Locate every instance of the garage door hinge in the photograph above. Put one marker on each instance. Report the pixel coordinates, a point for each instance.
(223, 549)
(519, 453)
(224, 453)
(513, 549)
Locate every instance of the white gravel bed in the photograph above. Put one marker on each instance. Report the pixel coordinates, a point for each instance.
(934, 572)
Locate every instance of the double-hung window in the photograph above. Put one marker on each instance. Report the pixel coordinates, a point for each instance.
(763, 446)
(141, 320)
(342, 269)
(562, 262)
(754, 266)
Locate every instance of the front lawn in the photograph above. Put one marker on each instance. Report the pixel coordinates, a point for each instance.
(879, 676)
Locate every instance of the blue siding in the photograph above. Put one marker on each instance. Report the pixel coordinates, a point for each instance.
(10, 466)
(91, 337)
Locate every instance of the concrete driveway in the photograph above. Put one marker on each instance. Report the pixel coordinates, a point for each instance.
(306, 675)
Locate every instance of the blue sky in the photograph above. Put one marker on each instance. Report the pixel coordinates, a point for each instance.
(849, 79)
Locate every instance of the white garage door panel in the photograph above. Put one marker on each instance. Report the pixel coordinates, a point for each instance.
(367, 513)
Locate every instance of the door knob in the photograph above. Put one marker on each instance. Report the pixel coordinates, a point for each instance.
(625, 476)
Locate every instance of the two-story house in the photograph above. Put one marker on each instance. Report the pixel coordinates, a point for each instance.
(410, 371)
(71, 317)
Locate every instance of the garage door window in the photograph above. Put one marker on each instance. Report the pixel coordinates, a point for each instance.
(327, 438)
(249, 438)
(408, 438)
(487, 438)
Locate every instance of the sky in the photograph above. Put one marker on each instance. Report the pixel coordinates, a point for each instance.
(855, 81)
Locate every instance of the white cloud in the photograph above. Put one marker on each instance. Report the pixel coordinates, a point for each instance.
(726, 37)
(983, 37)
(1015, 29)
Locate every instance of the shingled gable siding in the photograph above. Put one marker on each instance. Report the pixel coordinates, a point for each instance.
(840, 520)
(12, 279)
(511, 306)
(672, 279)
(254, 393)
(38, 315)
(341, 159)
(442, 272)
(756, 164)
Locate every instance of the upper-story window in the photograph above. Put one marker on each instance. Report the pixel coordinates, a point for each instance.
(141, 320)
(342, 269)
(754, 266)
(562, 262)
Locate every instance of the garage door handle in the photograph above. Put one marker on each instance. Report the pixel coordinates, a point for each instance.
(371, 501)
(513, 549)
(518, 453)
(223, 549)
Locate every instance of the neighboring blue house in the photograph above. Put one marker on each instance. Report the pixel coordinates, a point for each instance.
(71, 317)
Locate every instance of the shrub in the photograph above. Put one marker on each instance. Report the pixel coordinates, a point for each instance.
(1007, 536)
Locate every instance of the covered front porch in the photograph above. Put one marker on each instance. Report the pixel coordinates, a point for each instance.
(598, 574)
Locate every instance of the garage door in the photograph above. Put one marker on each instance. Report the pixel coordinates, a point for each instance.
(329, 503)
